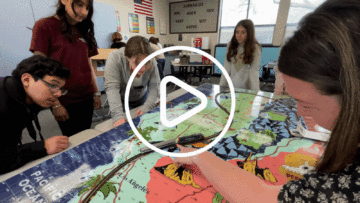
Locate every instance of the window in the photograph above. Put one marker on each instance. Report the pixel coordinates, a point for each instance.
(262, 13)
(298, 9)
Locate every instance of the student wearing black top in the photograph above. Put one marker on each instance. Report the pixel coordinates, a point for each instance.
(34, 85)
(116, 39)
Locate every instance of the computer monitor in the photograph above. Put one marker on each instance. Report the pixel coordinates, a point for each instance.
(269, 53)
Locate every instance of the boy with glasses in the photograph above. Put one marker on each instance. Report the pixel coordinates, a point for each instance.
(35, 84)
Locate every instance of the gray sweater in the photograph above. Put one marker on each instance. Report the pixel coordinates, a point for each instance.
(244, 76)
(117, 75)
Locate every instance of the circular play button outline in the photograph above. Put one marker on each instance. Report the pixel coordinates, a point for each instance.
(131, 123)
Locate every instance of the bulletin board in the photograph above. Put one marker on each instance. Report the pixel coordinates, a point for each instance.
(194, 16)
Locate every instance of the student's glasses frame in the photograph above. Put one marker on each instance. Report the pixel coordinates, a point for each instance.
(53, 88)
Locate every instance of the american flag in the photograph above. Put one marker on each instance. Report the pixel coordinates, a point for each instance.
(143, 7)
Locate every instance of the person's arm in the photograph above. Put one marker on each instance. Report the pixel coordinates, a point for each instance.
(13, 156)
(154, 88)
(227, 66)
(113, 66)
(97, 101)
(254, 69)
(232, 182)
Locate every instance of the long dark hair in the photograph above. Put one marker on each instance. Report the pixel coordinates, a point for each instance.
(86, 27)
(325, 51)
(249, 44)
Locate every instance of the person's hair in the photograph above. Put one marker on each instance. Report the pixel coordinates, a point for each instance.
(325, 51)
(39, 66)
(154, 40)
(249, 44)
(115, 37)
(86, 27)
(137, 46)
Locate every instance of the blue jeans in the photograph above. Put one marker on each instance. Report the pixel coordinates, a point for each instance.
(161, 66)
(134, 104)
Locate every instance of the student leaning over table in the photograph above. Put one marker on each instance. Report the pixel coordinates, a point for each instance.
(35, 84)
(68, 37)
(145, 88)
(243, 58)
(321, 70)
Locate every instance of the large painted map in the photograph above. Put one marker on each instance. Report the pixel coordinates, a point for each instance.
(257, 141)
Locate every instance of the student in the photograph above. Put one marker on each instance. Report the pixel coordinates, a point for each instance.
(35, 84)
(145, 87)
(158, 43)
(320, 66)
(69, 38)
(243, 56)
(116, 39)
(160, 59)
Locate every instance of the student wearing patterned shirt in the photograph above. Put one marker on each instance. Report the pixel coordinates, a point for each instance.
(320, 66)
(68, 37)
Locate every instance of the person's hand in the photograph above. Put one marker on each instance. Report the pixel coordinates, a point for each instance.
(97, 102)
(139, 112)
(60, 114)
(119, 122)
(180, 161)
(56, 144)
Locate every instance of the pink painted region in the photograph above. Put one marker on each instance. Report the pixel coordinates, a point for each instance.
(162, 189)
(310, 123)
(314, 150)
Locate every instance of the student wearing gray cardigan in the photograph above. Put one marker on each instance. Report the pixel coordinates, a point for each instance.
(145, 88)
(243, 56)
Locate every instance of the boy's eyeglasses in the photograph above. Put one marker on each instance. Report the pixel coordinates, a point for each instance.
(53, 88)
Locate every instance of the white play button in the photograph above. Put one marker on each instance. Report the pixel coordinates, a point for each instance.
(188, 114)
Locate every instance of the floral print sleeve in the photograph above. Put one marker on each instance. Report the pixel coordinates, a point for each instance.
(320, 187)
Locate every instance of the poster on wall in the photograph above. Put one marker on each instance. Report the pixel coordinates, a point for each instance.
(194, 16)
(134, 23)
(118, 25)
(150, 25)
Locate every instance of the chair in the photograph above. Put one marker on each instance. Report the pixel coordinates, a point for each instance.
(180, 74)
(267, 77)
(202, 72)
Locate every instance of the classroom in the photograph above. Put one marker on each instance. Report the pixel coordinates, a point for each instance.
(179, 101)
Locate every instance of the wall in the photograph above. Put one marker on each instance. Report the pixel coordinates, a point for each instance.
(186, 41)
(160, 10)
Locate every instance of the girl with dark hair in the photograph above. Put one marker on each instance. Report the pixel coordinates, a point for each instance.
(243, 57)
(144, 90)
(68, 37)
(321, 69)
(116, 39)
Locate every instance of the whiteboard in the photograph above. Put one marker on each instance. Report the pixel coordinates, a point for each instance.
(194, 16)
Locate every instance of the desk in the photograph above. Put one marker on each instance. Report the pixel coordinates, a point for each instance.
(184, 69)
(74, 141)
(260, 130)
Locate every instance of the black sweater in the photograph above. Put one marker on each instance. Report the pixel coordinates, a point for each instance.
(15, 115)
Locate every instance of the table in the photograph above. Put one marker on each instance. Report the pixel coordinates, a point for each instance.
(74, 141)
(260, 132)
(184, 69)
(108, 124)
